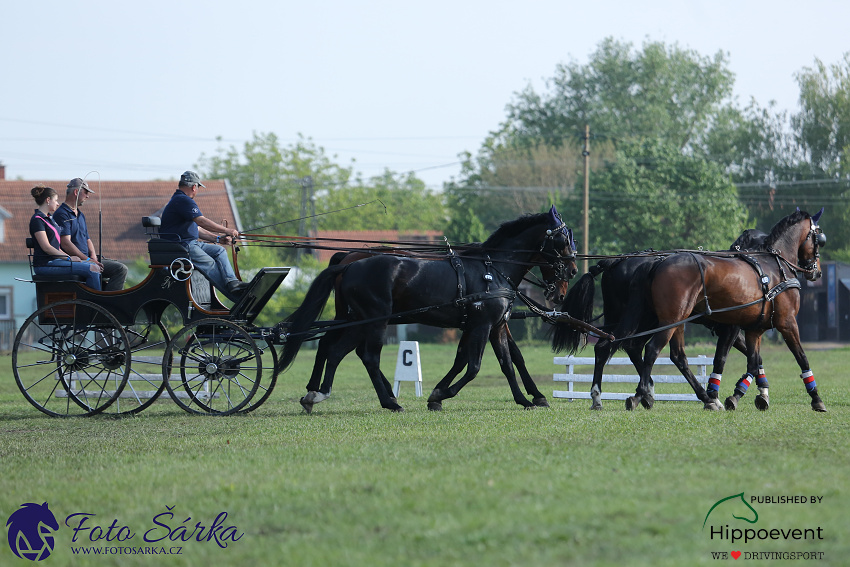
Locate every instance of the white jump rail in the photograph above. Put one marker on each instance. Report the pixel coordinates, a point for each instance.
(698, 367)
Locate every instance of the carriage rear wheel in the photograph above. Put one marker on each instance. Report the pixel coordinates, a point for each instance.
(71, 358)
(148, 346)
(216, 367)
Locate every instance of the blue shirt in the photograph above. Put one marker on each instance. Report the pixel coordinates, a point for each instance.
(40, 222)
(178, 218)
(74, 226)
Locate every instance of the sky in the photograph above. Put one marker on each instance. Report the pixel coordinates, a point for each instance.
(141, 90)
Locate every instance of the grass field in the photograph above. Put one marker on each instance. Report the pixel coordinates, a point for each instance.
(482, 483)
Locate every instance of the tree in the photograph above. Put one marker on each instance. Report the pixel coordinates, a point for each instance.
(661, 92)
(653, 196)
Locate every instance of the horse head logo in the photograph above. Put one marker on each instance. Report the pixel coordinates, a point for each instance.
(733, 500)
(31, 530)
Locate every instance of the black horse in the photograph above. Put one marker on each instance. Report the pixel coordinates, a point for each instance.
(554, 281)
(472, 293)
(625, 285)
(756, 293)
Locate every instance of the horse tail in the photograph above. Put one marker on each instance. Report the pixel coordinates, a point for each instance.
(579, 304)
(337, 258)
(302, 319)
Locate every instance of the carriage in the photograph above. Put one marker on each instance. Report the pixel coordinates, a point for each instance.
(85, 352)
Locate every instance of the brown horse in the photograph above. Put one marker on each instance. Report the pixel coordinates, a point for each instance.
(554, 281)
(756, 294)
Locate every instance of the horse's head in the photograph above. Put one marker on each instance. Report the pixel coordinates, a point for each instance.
(556, 277)
(808, 253)
(31, 530)
(559, 248)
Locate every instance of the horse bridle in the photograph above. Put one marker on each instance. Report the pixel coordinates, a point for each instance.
(818, 240)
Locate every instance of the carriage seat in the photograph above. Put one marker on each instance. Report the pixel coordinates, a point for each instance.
(38, 278)
(162, 251)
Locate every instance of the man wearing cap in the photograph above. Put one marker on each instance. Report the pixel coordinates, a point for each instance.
(182, 220)
(74, 235)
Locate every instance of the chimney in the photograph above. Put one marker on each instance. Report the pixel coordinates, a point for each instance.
(2, 171)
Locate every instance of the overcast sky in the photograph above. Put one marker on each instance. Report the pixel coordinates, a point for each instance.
(140, 90)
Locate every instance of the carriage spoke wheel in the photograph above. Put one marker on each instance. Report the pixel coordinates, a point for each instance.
(148, 347)
(216, 367)
(268, 380)
(71, 358)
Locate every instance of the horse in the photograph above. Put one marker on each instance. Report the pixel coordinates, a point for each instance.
(554, 281)
(473, 292)
(623, 283)
(737, 291)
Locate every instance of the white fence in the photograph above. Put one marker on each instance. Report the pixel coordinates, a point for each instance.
(698, 367)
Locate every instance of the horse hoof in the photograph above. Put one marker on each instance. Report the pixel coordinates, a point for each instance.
(596, 406)
(647, 402)
(631, 403)
(712, 405)
(761, 402)
(529, 407)
(541, 402)
(731, 403)
(396, 409)
(308, 406)
(818, 406)
(435, 406)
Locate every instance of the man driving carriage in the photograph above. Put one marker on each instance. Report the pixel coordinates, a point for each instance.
(183, 221)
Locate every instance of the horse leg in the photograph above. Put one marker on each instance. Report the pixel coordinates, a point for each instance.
(321, 359)
(477, 339)
(442, 386)
(537, 397)
(336, 348)
(680, 359)
(644, 393)
(387, 385)
(371, 357)
(500, 342)
(752, 345)
(791, 335)
(602, 352)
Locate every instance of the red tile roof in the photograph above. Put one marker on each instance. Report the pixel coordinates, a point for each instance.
(351, 239)
(124, 204)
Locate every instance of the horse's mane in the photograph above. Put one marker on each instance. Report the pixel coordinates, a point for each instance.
(783, 225)
(512, 228)
(750, 239)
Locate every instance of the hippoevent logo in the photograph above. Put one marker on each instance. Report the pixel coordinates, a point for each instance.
(31, 530)
(733, 521)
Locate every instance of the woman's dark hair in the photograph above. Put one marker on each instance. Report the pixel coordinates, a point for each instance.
(41, 193)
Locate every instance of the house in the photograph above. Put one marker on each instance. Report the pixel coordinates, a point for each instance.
(116, 205)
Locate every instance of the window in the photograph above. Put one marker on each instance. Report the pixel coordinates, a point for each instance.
(5, 302)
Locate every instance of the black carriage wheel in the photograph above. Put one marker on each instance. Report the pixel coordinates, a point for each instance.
(70, 358)
(148, 347)
(220, 367)
(267, 383)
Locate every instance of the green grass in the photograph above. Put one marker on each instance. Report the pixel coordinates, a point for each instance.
(482, 483)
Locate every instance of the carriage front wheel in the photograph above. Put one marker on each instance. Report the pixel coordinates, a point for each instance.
(71, 358)
(215, 367)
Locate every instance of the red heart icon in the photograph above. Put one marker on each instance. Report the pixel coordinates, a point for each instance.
(735, 554)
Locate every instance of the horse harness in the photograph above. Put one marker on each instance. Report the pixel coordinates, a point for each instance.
(768, 293)
(464, 301)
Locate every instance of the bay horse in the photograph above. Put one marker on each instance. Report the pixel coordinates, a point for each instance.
(473, 292)
(624, 284)
(554, 281)
(756, 293)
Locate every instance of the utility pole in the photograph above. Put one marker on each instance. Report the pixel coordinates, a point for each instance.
(306, 189)
(586, 221)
